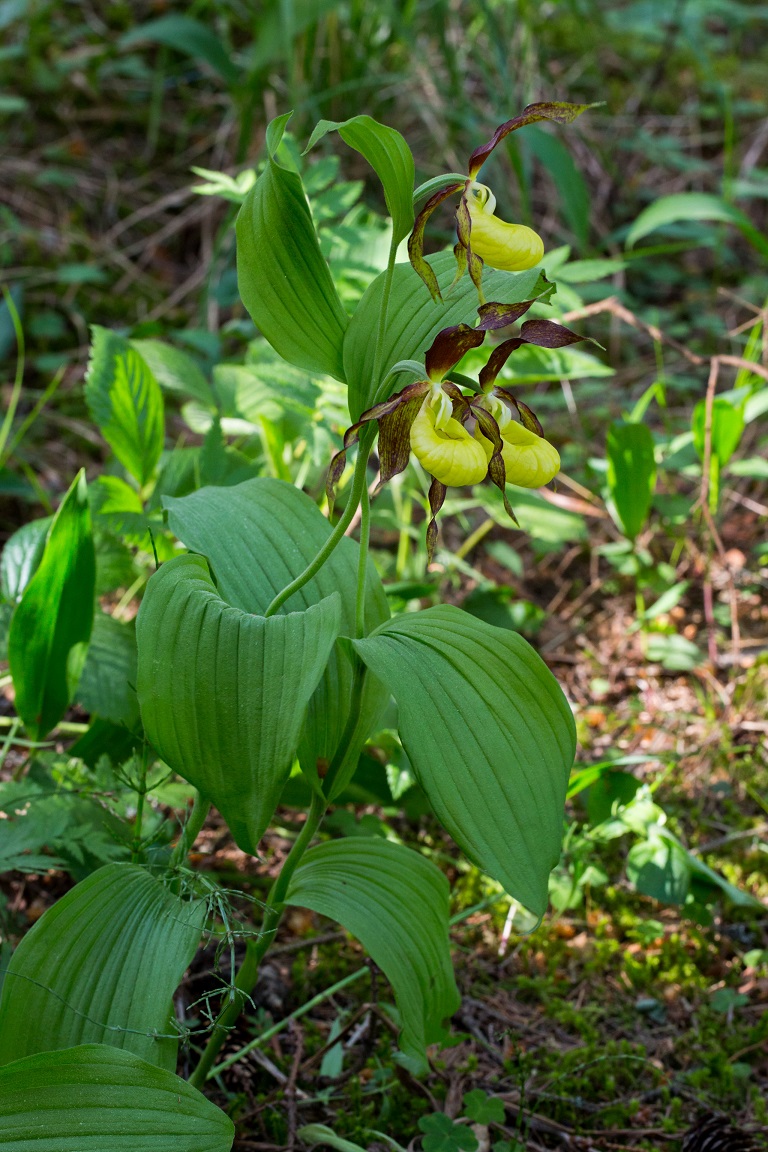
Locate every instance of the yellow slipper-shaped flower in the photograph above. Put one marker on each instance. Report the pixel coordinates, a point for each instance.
(509, 247)
(444, 447)
(529, 460)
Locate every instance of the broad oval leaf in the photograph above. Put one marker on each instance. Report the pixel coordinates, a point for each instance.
(396, 903)
(51, 625)
(282, 275)
(223, 692)
(489, 735)
(414, 319)
(21, 556)
(97, 1099)
(631, 474)
(390, 157)
(101, 966)
(279, 530)
(126, 403)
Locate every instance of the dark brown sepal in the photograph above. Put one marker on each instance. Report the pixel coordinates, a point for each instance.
(334, 475)
(460, 253)
(386, 406)
(497, 360)
(416, 239)
(448, 347)
(528, 418)
(437, 493)
(395, 431)
(494, 315)
(475, 265)
(560, 112)
(547, 334)
(490, 429)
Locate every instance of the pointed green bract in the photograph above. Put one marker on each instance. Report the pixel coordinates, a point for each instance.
(223, 692)
(51, 625)
(631, 474)
(389, 156)
(92, 1098)
(414, 320)
(282, 275)
(396, 903)
(101, 966)
(490, 737)
(276, 531)
(126, 403)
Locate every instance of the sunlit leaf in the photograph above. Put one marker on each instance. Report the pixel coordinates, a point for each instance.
(631, 474)
(125, 402)
(21, 555)
(51, 625)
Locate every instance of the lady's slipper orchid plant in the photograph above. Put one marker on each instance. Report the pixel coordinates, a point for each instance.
(482, 237)
(460, 439)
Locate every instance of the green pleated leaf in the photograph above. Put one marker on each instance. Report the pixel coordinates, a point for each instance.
(97, 1099)
(489, 735)
(631, 474)
(51, 625)
(22, 553)
(277, 530)
(282, 275)
(223, 692)
(390, 157)
(414, 319)
(396, 903)
(101, 967)
(125, 402)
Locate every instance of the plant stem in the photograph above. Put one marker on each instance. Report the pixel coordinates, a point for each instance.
(282, 1024)
(359, 481)
(190, 831)
(245, 979)
(362, 563)
(350, 742)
